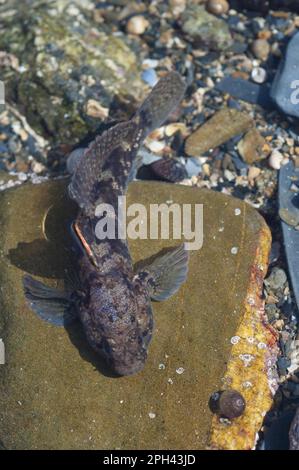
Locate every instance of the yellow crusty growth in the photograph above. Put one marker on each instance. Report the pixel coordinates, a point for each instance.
(248, 369)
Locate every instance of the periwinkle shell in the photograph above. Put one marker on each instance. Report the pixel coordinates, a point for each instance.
(227, 404)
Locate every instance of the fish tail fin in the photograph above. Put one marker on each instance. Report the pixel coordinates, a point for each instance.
(164, 97)
(50, 304)
(84, 186)
(121, 142)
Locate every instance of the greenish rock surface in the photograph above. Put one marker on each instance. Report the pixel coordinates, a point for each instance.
(54, 391)
(206, 29)
(64, 59)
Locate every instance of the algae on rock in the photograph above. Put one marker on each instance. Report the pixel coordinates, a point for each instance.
(65, 60)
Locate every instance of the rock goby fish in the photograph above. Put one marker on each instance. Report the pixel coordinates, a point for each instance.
(109, 298)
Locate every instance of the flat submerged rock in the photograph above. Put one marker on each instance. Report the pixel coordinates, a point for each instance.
(54, 392)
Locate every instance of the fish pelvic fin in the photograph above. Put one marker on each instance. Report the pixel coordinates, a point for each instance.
(165, 275)
(164, 98)
(50, 304)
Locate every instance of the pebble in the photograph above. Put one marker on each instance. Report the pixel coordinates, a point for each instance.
(245, 90)
(275, 160)
(282, 364)
(193, 167)
(222, 126)
(137, 25)
(277, 279)
(288, 217)
(169, 169)
(206, 29)
(259, 75)
(253, 173)
(150, 77)
(253, 147)
(177, 6)
(96, 110)
(38, 167)
(229, 175)
(261, 49)
(155, 146)
(217, 7)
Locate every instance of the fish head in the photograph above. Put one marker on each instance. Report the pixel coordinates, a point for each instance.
(131, 355)
(119, 324)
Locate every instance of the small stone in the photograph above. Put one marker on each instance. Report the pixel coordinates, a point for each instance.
(275, 160)
(206, 169)
(155, 146)
(174, 127)
(205, 29)
(229, 175)
(288, 217)
(150, 77)
(277, 279)
(152, 415)
(258, 75)
(23, 134)
(38, 167)
(217, 7)
(261, 49)
(169, 169)
(253, 173)
(252, 147)
(221, 127)
(177, 6)
(137, 25)
(193, 166)
(245, 90)
(96, 110)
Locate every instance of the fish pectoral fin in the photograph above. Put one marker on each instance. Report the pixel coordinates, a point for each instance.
(50, 304)
(166, 273)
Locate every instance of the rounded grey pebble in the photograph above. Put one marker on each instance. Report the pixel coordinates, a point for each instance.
(277, 279)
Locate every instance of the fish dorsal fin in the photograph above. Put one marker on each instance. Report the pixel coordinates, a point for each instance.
(88, 172)
(164, 98)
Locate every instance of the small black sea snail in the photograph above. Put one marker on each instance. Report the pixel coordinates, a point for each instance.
(227, 404)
